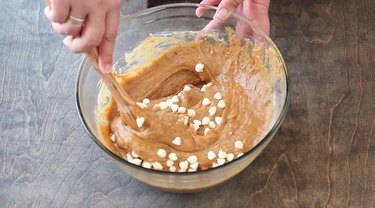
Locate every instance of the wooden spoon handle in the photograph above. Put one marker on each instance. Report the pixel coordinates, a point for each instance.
(122, 98)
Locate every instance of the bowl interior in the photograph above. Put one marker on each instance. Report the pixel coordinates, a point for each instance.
(166, 21)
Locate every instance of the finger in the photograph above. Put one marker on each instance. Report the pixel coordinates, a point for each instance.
(58, 11)
(243, 29)
(263, 23)
(201, 10)
(91, 36)
(108, 43)
(212, 26)
(226, 8)
(69, 27)
(260, 11)
(66, 28)
(257, 12)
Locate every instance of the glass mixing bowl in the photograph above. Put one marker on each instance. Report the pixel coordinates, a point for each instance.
(137, 27)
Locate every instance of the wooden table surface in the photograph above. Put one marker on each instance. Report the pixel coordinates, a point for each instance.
(323, 155)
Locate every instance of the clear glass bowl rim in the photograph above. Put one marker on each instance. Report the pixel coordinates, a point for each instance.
(267, 137)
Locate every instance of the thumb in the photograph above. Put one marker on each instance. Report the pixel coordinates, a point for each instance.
(226, 8)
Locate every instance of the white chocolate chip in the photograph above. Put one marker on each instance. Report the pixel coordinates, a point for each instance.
(172, 156)
(146, 165)
(230, 157)
(186, 120)
(177, 141)
(191, 112)
(199, 67)
(194, 166)
(182, 170)
(146, 101)
(206, 130)
(218, 120)
(156, 107)
(172, 169)
(197, 122)
(140, 121)
(221, 104)
(211, 155)
(169, 102)
(141, 105)
(184, 165)
(218, 96)
(174, 107)
(196, 127)
(181, 110)
(187, 88)
(161, 153)
(129, 157)
(136, 161)
(212, 124)
(175, 99)
(206, 101)
(214, 165)
(192, 159)
(205, 121)
(238, 144)
(222, 154)
(157, 166)
(134, 154)
(113, 138)
(169, 163)
(191, 170)
(212, 111)
(163, 105)
(239, 155)
(204, 88)
(220, 161)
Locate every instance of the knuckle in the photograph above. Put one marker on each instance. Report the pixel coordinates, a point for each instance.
(57, 18)
(99, 3)
(111, 37)
(235, 3)
(93, 41)
(261, 7)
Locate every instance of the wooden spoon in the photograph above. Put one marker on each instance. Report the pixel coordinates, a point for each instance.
(123, 100)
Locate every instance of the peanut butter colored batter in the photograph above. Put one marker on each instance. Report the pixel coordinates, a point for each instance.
(203, 105)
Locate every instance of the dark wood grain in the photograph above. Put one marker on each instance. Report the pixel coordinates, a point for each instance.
(323, 155)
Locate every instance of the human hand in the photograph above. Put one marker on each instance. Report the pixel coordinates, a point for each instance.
(255, 10)
(88, 24)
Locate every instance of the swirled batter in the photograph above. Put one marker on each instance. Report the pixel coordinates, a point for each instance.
(203, 105)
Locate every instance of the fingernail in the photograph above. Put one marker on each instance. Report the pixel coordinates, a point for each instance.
(198, 13)
(46, 10)
(65, 41)
(223, 14)
(107, 68)
(68, 40)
